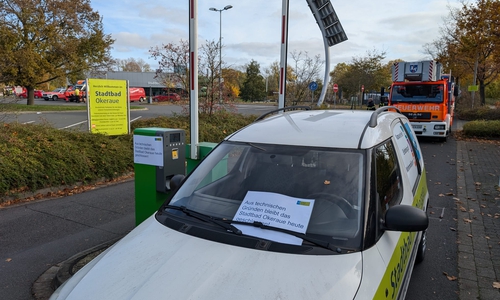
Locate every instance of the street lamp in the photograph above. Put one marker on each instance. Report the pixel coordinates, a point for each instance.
(220, 46)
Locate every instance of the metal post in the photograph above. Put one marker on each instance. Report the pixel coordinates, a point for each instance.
(220, 46)
(220, 56)
(193, 77)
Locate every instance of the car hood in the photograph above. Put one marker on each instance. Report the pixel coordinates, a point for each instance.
(156, 262)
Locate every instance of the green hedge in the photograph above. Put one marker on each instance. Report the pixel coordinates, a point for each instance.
(481, 113)
(33, 157)
(485, 129)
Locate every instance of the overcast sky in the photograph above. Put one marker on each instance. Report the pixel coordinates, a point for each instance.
(252, 29)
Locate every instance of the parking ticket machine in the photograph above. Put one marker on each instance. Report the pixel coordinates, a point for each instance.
(159, 154)
(174, 158)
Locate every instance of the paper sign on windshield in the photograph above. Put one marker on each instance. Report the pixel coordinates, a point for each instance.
(275, 210)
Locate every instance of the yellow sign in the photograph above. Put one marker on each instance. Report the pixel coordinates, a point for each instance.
(108, 106)
(473, 88)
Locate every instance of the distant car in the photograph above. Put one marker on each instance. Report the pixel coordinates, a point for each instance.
(172, 97)
(54, 95)
(317, 204)
(137, 94)
(38, 94)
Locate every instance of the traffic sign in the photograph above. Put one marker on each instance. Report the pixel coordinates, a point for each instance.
(335, 87)
(313, 86)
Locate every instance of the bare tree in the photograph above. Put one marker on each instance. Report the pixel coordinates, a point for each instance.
(210, 70)
(173, 60)
(305, 69)
(132, 65)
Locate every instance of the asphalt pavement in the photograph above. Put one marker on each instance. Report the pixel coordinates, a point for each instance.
(29, 263)
(36, 237)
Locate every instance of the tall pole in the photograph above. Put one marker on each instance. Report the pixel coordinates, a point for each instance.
(283, 54)
(193, 76)
(220, 56)
(220, 46)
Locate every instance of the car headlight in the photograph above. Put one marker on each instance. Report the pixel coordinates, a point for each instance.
(439, 127)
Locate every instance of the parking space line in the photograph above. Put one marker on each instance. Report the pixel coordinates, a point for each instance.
(29, 122)
(72, 125)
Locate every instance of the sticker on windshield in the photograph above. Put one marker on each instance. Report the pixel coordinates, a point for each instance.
(275, 210)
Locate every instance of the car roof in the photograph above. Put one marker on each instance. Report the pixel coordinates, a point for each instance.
(321, 128)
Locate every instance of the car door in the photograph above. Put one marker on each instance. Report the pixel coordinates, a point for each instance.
(400, 180)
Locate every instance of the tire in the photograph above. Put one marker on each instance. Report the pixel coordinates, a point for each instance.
(422, 247)
(141, 99)
(54, 98)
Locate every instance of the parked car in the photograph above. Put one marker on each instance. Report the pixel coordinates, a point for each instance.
(137, 94)
(172, 97)
(317, 204)
(38, 94)
(54, 95)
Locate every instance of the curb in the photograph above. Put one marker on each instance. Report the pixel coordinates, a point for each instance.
(56, 275)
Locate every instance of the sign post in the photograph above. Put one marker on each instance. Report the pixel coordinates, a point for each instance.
(335, 90)
(313, 86)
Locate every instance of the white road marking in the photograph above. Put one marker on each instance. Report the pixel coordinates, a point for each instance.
(72, 125)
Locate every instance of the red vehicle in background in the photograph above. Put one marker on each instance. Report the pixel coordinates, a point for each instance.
(172, 97)
(38, 94)
(54, 95)
(137, 94)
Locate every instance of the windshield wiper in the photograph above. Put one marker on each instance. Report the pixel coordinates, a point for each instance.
(314, 241)
(206, 218)
(226, 224)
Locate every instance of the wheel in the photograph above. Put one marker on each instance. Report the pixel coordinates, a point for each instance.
(54, 98)
(341, 202)
(141, 99)
(422, 247)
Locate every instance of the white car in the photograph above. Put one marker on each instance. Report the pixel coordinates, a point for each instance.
(315, 204)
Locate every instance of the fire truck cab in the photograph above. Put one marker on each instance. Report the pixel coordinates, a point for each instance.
(425, 96)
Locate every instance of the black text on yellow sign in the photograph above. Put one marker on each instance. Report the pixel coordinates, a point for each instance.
(108, 106)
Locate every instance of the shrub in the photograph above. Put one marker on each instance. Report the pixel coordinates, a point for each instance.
(39, 156)
(489, 129)
(481, 113)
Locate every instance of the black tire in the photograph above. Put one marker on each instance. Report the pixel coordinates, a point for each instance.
(422, 248)
(54, 98)
(141, 99)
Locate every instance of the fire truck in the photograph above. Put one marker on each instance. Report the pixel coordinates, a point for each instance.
(425, 96)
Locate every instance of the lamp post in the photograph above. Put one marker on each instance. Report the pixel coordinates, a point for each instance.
(220, 46)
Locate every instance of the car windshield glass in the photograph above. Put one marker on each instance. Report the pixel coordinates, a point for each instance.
(417, 93)
(266, 183)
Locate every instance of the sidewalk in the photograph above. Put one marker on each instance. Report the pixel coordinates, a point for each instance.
(478, 224)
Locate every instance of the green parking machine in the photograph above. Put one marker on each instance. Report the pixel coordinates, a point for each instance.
(159, 154)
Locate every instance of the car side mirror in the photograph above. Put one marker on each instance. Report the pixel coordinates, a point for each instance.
(176, 181)
(405, 218)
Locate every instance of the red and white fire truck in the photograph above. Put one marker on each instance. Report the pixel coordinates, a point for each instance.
(425, 96)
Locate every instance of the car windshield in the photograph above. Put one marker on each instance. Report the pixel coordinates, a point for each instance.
(417, 93)
(313, 191)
